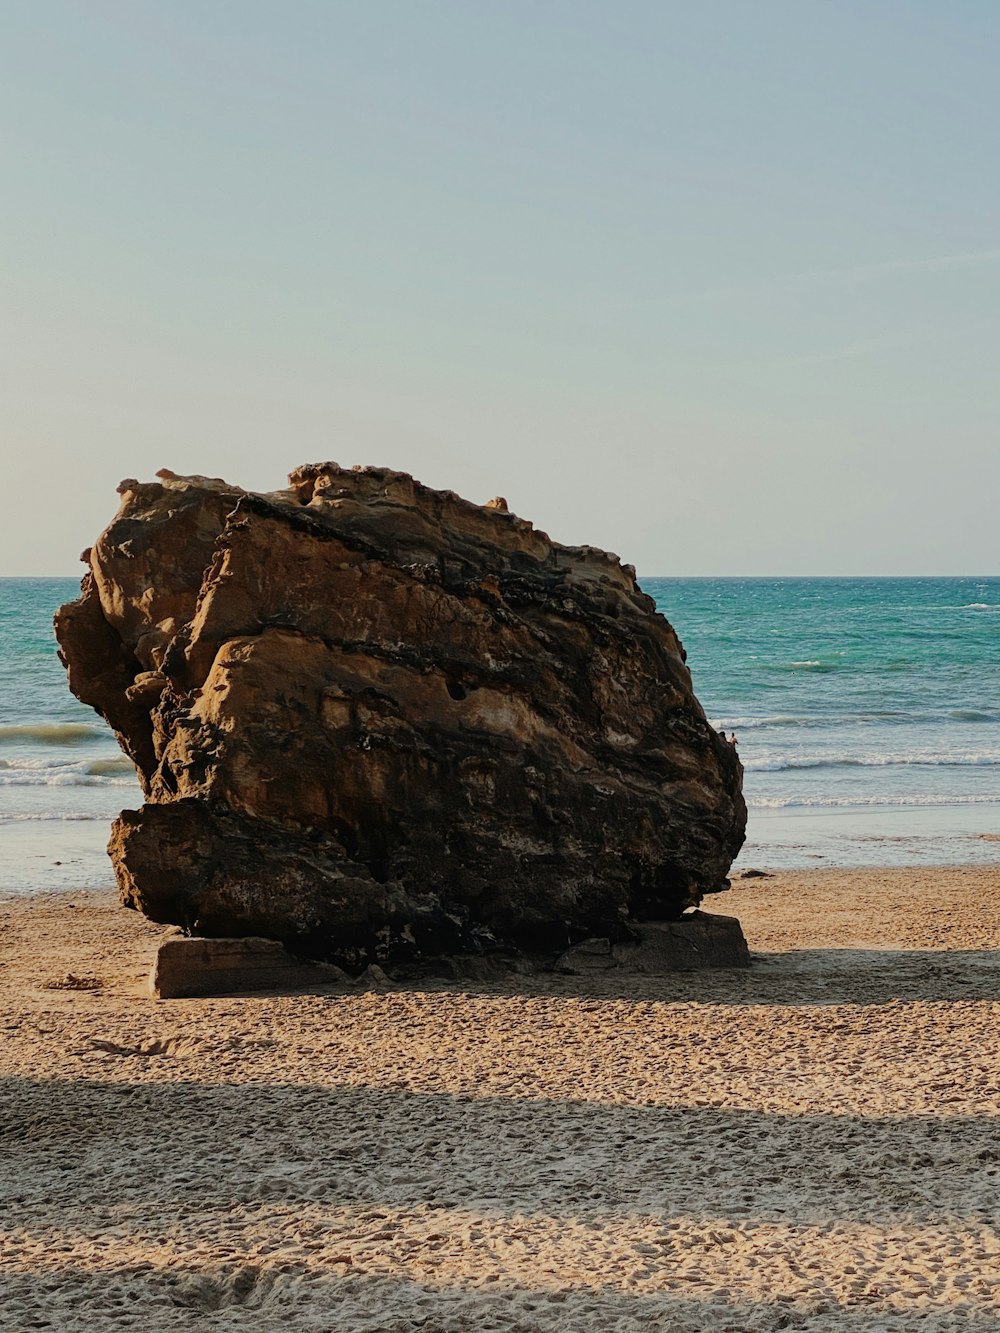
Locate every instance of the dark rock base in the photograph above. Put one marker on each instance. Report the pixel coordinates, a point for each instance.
(188, 966)
(697, 940)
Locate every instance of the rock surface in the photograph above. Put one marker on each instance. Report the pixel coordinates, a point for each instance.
(697, 940)
(186, 967)
(375, 721)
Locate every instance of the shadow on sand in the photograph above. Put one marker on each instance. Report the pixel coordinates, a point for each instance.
(793, 977)
(170, 1189)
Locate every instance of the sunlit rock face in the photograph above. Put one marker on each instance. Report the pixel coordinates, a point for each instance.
(373, 720)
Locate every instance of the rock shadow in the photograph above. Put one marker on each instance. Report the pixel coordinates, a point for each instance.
(269, 1297)
(158, 1151)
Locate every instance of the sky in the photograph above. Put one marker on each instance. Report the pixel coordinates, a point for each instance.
(713, 285)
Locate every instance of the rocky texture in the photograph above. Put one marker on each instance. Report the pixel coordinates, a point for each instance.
(186, 967)
(373, 720)
(698, 939)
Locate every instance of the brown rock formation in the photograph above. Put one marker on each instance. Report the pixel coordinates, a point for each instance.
(372, 719)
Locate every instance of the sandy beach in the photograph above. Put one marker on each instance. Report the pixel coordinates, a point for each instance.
(810, 1144)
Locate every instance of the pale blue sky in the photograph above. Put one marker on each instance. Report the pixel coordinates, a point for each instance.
(713, 284)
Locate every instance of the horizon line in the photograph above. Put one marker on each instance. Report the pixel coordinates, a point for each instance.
(640, 577)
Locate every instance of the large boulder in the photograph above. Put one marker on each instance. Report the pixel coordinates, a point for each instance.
(372, 720)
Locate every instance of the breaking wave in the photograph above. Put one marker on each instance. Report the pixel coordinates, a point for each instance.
(107, 767)
(37, 779)
(871, 717)
(111, 771)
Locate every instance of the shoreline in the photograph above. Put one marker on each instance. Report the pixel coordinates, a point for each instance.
(810, 1142)
(60, 854)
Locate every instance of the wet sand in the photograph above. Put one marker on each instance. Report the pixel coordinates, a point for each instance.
(810, 1144)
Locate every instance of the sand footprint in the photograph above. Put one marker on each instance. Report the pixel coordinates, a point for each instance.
(247, 1286)
(169, 1046)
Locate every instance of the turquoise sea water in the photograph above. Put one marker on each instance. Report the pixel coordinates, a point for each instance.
(867, 713)
(62, 776)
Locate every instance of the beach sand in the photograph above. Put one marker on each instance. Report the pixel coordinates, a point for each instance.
(810, 1144)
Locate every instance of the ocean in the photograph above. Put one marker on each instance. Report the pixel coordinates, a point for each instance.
(867, 714)
(866, 711)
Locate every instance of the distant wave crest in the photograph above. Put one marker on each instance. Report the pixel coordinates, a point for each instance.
(781, 762)
(845, 802)
(60, 779)
(871, 717)
(51, 733)
(52, 818)
(808, 664)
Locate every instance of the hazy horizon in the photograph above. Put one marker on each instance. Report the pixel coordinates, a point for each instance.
(714, 287)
